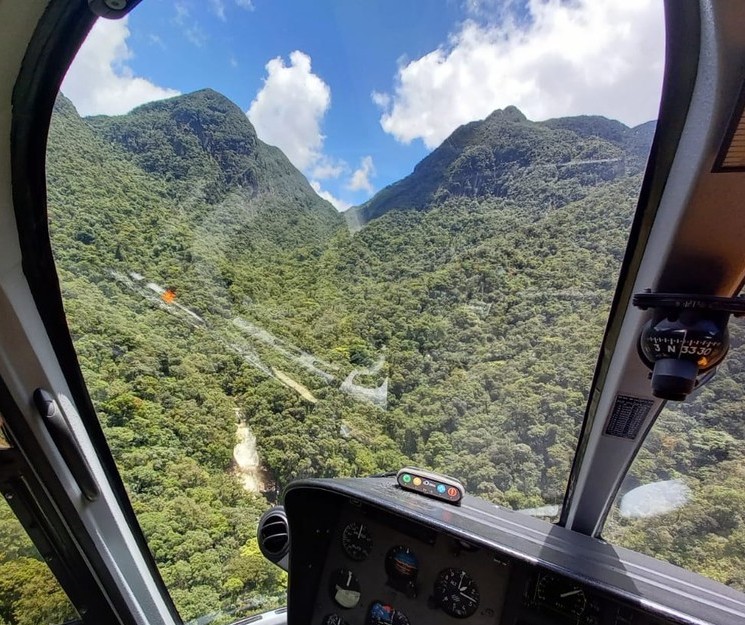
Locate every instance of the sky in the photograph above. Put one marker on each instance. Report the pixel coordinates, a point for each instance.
(357, 93)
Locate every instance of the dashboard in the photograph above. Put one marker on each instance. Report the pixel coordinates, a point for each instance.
(382, 570)
(365, 552)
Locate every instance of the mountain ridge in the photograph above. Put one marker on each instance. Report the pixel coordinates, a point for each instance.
(205, 151)
(486, 157)
(205, 134)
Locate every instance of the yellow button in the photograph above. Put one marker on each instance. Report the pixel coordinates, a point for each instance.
(417, 481)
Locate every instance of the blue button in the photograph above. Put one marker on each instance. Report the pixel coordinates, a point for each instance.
(441, 488)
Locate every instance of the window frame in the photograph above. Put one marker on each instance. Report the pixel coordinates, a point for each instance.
(99, 553)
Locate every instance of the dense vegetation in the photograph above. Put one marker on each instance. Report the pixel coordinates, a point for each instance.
(207, 285)
(29, 594)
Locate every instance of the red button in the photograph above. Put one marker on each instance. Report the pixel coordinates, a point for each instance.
(452, 492)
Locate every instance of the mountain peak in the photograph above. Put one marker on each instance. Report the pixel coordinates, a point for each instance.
(508, 114)
(202, 97)
(199, 135)
(64, 106)
(508, 156)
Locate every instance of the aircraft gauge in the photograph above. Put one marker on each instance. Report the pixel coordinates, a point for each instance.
(562, 595)
(402, 568)
(382, 614)
(356, 541)
(456, 593)
(345, 588)
(401, 564)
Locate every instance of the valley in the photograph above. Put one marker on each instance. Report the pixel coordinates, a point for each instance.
(236, 334)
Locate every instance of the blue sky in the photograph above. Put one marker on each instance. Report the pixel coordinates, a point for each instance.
(356, 93)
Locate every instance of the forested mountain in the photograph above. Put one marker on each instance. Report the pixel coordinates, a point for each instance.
(538, 164)
(223, 177)
(208, 289)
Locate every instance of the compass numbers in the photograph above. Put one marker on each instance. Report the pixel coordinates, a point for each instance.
(456, 593)
(673, 346)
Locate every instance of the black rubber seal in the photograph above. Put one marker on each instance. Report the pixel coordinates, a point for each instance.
(57, 38)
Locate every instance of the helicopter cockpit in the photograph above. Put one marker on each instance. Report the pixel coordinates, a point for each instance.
(402, 546)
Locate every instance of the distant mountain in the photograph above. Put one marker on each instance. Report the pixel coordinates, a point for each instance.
(206, 150)
(180, 190)
(538, 164)
(203, 136)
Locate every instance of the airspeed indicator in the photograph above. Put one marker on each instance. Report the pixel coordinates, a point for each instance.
(356, 541)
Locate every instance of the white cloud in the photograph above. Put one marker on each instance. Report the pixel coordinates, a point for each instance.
(327, 167)
(360, 179)
(195, 35)
(182, 12)
(156, 41)
(100, 81)
(245, 4)
(383, 100)
(189, 27)
(490, 9)
(218, 7)
(289, 108)
(567, 58)
(339, 204)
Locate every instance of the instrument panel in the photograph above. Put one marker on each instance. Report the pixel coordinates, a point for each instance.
(366, 552)
(387, 571)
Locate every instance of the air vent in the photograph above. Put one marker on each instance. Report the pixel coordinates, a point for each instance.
(274, 536)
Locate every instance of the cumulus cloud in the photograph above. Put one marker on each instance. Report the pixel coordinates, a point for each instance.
(563, 58)
(288, 112)
(360, 180)
(492, 9)
(289, 108)
(383, 100)
(339, 204)
(100, 81)
(328, 167)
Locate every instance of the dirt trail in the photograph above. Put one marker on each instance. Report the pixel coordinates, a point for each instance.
(295, 386)
(246, 458)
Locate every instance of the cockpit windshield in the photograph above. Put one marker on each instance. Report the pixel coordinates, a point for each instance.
(335, 239)
(682, 500)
